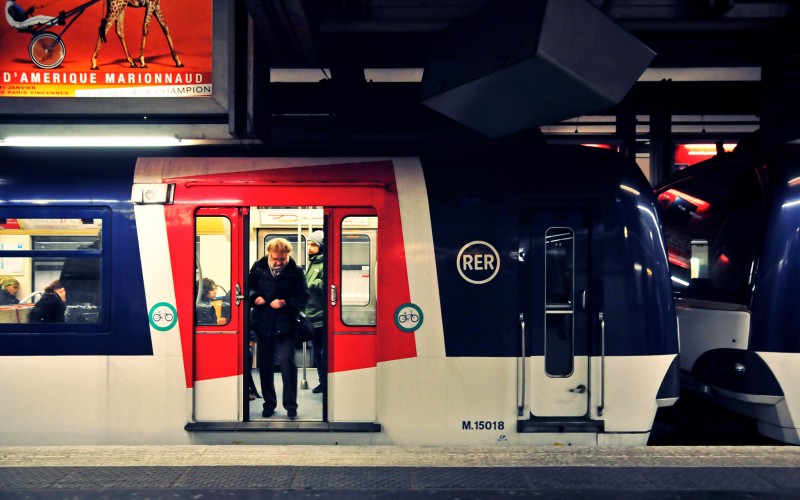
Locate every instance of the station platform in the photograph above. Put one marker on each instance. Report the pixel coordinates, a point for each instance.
(398, 472)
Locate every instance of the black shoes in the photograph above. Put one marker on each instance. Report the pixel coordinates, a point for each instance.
(317, 389)
(267, 413)
(291, 413)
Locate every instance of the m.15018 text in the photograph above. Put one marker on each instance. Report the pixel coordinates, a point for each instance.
(482, 425)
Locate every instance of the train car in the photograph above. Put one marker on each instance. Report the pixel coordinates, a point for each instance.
(731, 225)
(465, 305)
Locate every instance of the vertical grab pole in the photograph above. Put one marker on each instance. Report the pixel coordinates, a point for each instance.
(602, 404)
(521, 371)
(304, 380)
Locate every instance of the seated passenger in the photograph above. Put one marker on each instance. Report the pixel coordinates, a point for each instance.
(8, 291)
(204, 310)
(21, 19)
(52, 305)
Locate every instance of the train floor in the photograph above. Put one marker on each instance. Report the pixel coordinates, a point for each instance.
(309, 404)
(399, 472)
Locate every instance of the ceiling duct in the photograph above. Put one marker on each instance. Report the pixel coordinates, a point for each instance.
(516, 65)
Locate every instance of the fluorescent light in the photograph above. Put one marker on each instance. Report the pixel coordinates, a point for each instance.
(36, 141)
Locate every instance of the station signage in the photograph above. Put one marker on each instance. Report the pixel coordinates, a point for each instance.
(53, 51)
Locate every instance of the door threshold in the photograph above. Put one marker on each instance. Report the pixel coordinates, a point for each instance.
(560, 425)
(283, 426)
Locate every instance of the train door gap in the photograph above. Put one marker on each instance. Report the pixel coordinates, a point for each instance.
(294, 224)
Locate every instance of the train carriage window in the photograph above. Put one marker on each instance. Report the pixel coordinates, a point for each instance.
(213, 270)
(559, 267)
(359, 267)
(711, 226)
(36, 251)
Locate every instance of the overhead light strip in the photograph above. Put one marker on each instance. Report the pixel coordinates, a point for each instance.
(35, 141)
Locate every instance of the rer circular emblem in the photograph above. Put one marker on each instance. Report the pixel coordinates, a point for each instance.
(163, 316)
(478, 262)
(408, 317)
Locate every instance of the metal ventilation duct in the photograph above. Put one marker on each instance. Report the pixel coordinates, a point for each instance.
(519, 64)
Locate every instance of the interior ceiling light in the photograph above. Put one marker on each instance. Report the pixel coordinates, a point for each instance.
(34, 141)
(707, 149)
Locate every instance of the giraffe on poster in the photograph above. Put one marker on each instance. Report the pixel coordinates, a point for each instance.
(115, 14)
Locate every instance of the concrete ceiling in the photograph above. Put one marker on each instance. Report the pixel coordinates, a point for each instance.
(709, 60)
(399, 33)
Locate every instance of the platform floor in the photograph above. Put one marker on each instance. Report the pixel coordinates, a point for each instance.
(396, 472)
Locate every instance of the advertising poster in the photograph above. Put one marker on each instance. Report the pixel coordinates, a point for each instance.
(52, 51)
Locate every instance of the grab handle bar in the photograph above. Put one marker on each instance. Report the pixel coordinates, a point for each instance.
(602, 404)
(521, 362)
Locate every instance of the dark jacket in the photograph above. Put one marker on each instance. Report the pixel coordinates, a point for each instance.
(315, 280)
(6, 299)
(81, 277)
(289, 285)
(49, 309)
(205, 313)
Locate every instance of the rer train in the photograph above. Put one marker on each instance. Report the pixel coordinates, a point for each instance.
(731, 225)
(466, 306)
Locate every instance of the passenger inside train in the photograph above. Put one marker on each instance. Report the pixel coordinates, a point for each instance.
(52, 306)
(209, 308)
(9, 287)
(315, 309)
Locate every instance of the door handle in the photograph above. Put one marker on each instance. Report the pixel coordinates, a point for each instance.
(580, 389)
(239, 296)
(333, 295)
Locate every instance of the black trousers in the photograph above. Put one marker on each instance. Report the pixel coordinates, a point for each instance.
(266, 371)
(320, 353)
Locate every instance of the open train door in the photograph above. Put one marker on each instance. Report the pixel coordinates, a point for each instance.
(351, 244)
(220, 255)
(557, 342)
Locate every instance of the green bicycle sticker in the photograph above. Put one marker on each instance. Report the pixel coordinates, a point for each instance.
(163, 316)
(408, 317)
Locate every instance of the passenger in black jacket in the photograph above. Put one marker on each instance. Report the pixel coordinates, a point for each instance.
(204, 310)
(277, 292)
(52, 305)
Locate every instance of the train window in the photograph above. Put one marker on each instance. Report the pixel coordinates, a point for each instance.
(359, 237)
(213, 262)
(711, 225)
(559, 266)
(35, 252)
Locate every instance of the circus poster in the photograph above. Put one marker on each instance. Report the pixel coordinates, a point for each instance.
(49, 48)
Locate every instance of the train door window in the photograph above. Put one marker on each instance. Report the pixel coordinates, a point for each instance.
(213, 258)
(37, 251)
(359, 268)
(559, 310)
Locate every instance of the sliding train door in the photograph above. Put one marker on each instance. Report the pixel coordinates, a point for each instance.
(219, 319)
(352, 313)
(556, 340)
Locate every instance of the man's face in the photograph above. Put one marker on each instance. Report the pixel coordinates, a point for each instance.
(313, 248)
(278, 259)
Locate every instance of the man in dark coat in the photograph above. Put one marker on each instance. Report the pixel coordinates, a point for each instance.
(277, 292)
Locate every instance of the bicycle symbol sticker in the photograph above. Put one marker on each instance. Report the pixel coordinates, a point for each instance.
(408, 317)
(163, 316)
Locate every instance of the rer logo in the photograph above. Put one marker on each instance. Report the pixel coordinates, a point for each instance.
(478, 262)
